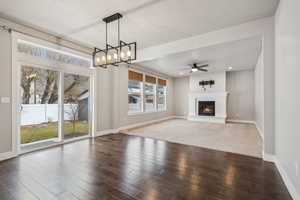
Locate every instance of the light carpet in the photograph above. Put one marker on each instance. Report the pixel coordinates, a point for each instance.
(231, 137)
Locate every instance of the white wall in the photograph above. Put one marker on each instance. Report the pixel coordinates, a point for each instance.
(287, 89)
(5, 91)
(241, 89)
(184, 85)
(219, 86)
(240, 103)
(259, 94)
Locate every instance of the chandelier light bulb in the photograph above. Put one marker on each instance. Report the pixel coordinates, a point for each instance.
(98, 59)
(109, 57)
(122, 54)
(103, 58)
(128, 53)
(115, 56)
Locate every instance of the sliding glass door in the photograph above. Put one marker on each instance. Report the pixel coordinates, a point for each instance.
(39, 104)
(52, 93)
(76, 105)
(55, 106)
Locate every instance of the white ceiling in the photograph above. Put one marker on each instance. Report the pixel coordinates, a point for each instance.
(149, 22)
(240, 55)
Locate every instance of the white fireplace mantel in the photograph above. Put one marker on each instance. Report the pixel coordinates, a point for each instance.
(220, 99)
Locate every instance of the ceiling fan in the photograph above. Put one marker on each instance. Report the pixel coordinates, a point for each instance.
(198, 67)
(194, 67)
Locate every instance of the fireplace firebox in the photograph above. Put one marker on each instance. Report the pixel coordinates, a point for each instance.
(206, 108)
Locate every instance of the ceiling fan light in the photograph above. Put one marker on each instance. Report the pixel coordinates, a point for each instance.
(194, 69)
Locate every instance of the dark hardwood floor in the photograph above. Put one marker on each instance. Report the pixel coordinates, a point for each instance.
(129, 167)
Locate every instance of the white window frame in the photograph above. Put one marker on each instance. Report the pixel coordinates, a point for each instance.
(143, 95)
(144, 103)
(142, 99)
(165, 103)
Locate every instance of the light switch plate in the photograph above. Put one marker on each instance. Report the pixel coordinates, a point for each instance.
(5, 100)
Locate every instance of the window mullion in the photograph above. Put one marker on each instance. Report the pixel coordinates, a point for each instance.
(61, 107)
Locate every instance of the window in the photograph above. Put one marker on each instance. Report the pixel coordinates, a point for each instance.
(149, 93)
(146, 93)
(135, 92)
(161, 95)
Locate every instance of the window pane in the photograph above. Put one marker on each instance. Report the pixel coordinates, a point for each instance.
(134, 96)
(149, 95)
(161, 97)
(39, 108)
(76, 105)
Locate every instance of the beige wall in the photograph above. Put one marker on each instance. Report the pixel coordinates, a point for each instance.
(181, 91)
(5, 91)
(240, 86)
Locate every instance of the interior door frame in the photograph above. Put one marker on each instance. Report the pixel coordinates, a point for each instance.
(18, 60)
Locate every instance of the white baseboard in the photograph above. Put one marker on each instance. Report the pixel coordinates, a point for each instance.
(219, 120)
(288, 183)
(259, 131)
(240, 121)
(269, 157)
(7, 155)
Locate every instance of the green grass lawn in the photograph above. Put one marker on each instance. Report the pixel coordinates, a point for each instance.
(50, 130)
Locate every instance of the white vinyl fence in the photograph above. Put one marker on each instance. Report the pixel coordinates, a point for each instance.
(33, 114)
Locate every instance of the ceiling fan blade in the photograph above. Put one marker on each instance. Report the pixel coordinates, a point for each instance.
(203, 66)
(203, 70)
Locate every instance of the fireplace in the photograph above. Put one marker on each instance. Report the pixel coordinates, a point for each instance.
(206, 108)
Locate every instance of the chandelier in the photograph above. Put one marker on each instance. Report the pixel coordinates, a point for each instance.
(113, 55)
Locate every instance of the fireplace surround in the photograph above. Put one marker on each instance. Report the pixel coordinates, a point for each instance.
(218, 115)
